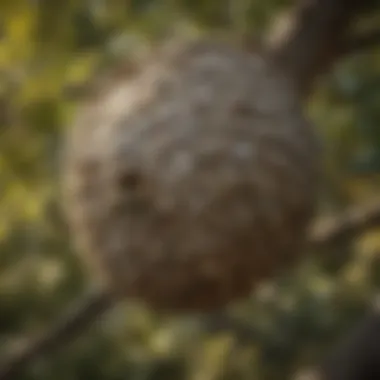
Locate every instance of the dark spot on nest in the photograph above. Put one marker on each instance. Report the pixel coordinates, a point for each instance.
(129, 181)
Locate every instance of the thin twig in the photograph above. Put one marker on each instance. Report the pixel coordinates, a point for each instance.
(80, 317)
(353, 222)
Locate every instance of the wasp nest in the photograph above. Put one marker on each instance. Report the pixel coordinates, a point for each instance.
(191, 182)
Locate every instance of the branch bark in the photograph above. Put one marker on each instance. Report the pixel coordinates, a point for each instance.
(312, 41)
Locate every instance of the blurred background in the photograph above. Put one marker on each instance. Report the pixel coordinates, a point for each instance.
(49, 53)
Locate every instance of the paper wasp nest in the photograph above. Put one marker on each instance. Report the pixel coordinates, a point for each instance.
(188, 184)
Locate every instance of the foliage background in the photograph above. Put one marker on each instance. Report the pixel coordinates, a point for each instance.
(49, 51)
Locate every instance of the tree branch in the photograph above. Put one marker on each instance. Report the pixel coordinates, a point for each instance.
(89, 308)
(333, 230)
(311, 41)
